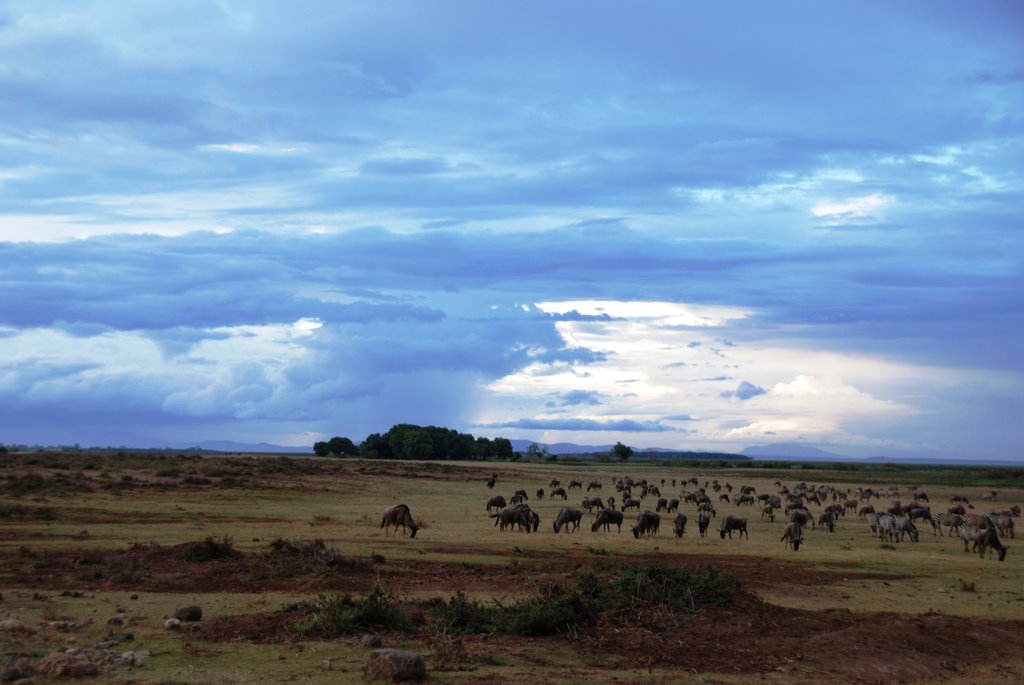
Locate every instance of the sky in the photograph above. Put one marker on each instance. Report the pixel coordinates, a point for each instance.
(701, 226)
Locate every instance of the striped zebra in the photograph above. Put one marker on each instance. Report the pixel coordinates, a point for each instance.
(893, 528)
(951, 521)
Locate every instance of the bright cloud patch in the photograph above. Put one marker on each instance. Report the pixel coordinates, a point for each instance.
(856, 208)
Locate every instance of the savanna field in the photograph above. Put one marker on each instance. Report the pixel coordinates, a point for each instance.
(287, 561)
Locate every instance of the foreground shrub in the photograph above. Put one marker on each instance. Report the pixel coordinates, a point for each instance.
(211, 549)
(333, 615)
(676, 587)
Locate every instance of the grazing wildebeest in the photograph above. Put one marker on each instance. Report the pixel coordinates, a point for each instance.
(662, 504)
(647, 523)
(540, 493)
(590, 502)
(768, 513)
(575, 484)
(554, 483)
(792, 535)
(568, 516)
(594, 485)
(399, 515)
(702, 523)
(732, 523)
(492, 480)
(607, 517)
(496, 502)
(680, 525)
(630, 503)
(987, 538)
(558, 492)
(516, 514)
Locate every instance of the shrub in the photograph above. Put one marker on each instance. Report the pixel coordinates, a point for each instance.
(464, 616)
(333, 616)
(211, 549)
(676, 587)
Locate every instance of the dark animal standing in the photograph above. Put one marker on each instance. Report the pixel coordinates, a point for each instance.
(568, 516)
(680, 525)
(732, 523)
(647, 523)
(399, 515)
(702, 523)
(606, 518)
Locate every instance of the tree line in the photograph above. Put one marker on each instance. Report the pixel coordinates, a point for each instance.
(408, 441)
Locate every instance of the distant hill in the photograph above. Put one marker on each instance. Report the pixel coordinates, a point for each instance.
(790, 451)
(230, 446)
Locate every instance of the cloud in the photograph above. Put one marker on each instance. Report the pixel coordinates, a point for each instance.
(579, 397)
(852, 209)
(743, 391)
(581, 424)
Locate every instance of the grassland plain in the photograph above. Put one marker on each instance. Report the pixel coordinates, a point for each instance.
(98, 549)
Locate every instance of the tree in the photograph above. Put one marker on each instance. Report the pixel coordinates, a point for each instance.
(342, 447)
(622, 452)
(321, 449)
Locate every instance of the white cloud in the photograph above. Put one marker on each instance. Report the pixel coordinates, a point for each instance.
(864, 207)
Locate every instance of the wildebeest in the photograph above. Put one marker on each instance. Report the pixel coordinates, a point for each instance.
(987, 538)
(517, 514)
(792, 535)
(399, 515)
(558, 492)
(606, 518)
(540, 493)
(594, 485)
(492, 480)
(496, 502)
(680, 525)
(732, 523)
(662, 504)
(590, 502)
(568, 515)
(647, 523)
(575, 484)
(702, 523)
(630, 503)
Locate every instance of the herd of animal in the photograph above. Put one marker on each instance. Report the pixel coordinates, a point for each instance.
(890, 525)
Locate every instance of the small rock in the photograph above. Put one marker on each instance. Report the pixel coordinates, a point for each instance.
(116, 621)
(134, 597)
(172, 624)
(16, 668)
(131, 659)
(370, 640)
(15, 627)
(189, 612)
(325, 665)
(395, 665)
(67, 664)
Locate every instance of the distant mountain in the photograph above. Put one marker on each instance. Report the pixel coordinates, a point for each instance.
(784, 450)
(560, 447)
(230, 446)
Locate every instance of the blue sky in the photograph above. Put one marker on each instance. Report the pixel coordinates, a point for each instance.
(690, 225)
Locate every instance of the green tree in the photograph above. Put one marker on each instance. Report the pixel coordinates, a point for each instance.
(321, 449)
(622, 452)
(342, 447)
(502, 448)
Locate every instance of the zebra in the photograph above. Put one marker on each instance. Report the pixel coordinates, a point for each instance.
(951, 521)
(892, 528)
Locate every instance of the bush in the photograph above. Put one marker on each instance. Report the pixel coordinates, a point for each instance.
(675, 587)
(210, 550)
(556, 609)
(333, 616)
(464, 616)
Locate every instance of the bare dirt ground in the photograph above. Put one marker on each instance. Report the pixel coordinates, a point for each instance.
(746, 636)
